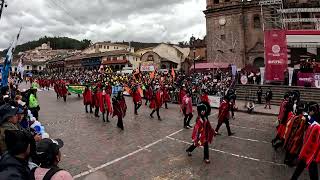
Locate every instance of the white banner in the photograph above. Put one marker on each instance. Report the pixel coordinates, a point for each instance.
(262, 72)
(147, 68)
(214, 101)
(290, 75)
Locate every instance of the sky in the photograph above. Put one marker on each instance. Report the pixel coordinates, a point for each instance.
(103, 20)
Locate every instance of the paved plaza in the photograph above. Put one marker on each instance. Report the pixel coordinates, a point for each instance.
(152, 149)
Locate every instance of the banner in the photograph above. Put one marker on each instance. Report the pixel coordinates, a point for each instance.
(214, 101)
(147, 68)
(276, 54)
(306, 79)
(76, 89)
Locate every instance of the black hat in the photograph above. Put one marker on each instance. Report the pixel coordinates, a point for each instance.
(7, 111)
(17, 141)
(49, 146)
(202, 107)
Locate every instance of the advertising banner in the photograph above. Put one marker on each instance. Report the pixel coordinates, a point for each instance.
(306, 79)
(214, 101)
(276, 54)
(147, 68)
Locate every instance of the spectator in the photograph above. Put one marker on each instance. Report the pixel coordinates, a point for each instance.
(250, 107)
(259, 94)
(268, 98)
(49, 155)
(14, 164)
(33, 103)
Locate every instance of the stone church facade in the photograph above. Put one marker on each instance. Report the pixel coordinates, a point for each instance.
(235, 31)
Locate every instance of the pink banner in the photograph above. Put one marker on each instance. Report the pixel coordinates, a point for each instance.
(306, 79)
(276, 55)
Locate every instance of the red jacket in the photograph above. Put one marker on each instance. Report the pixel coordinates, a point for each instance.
(63, 90)
(223, 111)
(187, 104)
(97, 99)
(182, 93)
(148, 93)
(136, 97)
(104, 103)
(202, 132)
(119, 108)
(87, 97)
(166, 96)
(204, 98)
(156, 100)
(311, 145)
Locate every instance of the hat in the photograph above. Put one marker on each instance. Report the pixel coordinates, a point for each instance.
(49, 146)
(7, 111)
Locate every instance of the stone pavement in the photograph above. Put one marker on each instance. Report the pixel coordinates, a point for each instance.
(152, 149)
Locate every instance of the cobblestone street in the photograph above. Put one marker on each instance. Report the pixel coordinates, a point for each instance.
(152, 149)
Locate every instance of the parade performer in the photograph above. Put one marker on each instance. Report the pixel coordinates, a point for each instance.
(182, 93)
(119, 108)
(223, 116)
(105, 104)
(87, 99)
(285, 109)
(56, 89)
(202, 133)
(166, 96)
(137, 100)
(97, 100)
(156, 102)
(187, 110)
(148, 94)
(310, 153)
(63, 91)
(295, 129)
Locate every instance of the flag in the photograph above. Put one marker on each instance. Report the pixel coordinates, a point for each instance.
(173, 74)
(8, 61)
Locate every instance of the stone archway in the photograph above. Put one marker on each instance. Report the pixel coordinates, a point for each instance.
(258, 62)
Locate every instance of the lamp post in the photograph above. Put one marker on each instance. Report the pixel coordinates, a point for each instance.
(194, 59)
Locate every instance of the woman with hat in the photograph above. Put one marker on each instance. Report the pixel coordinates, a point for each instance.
(202, 133)
(49, 157)
(223, 116)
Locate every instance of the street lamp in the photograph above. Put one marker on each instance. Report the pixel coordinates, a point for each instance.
(194, 59)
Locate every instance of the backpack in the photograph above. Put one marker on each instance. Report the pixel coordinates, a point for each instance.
(48, 175)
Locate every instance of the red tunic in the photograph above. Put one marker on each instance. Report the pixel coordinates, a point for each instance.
(296, 127)
(223, 111)
(63, 90)
(148, 94)
(187, 104)
(97, 99)
(202, 132)
(105, 103)
(205, 98)
(281, 129)
(311, 147)
(87, 97)
(166, 96)
(136, 97)
(156, 101)
(119, 108)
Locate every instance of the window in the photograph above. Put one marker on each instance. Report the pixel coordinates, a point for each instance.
(40, 68)
(114, 58)
(104, 47)
(256, 22)
(108, 58)
(107, 47)
(216, 1)
(15, 69)
(114, 47)
(124, 57)
(150, 58)
(28, 67)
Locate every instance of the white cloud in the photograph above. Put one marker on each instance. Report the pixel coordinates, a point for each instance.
(100, 20)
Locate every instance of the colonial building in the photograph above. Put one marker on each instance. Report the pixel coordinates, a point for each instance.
(235, 28)
(115, 59)
(165, 56)
(100, 47)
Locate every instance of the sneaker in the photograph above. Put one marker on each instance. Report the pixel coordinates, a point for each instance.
(151, 116)
(186, 127)
(189, 154)
(159, 119)
(207, 161)
(231, 134)
(189, 126)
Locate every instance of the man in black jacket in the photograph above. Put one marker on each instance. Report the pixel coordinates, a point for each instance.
(14, 163)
